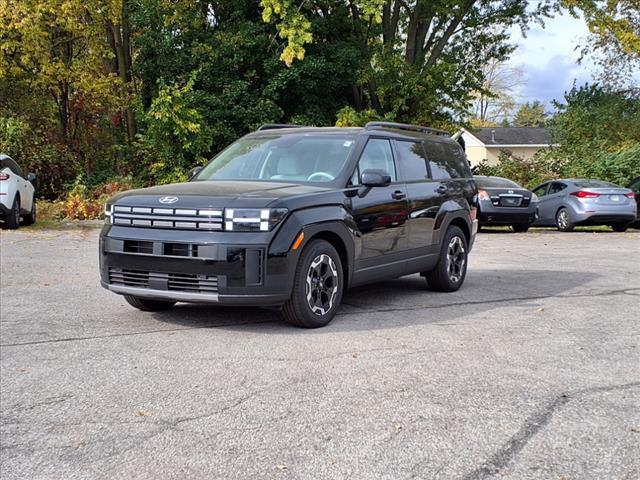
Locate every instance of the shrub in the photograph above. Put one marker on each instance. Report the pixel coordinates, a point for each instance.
(84, 203)
(527, 172)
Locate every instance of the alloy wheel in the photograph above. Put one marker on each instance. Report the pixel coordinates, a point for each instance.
(322, 284)
(456, 259)
(563, 219)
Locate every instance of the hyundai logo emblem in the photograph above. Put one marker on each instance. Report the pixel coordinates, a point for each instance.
(168, 200)
(510, 191)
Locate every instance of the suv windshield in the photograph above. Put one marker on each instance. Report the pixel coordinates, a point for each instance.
(495, 182)
(292, 157)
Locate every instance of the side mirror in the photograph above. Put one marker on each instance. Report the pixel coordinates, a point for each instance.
(33, 180)
(193, 173)
(375, 178)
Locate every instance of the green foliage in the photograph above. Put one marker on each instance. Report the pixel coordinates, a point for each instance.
(94, 90)
(527, 172)
(530, 115)
(598, 136)
(611, 21)
(350, 117)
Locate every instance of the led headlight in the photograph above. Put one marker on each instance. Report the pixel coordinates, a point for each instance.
(252, 219)
(108, 213)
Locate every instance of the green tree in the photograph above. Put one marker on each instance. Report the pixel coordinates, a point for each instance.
(425, 63)
(598, 132)
(613, 44)
(530, 115)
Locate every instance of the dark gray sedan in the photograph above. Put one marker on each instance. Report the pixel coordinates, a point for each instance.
(567, 203)
(504, 202)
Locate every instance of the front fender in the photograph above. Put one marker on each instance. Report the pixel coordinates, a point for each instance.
(332, 219)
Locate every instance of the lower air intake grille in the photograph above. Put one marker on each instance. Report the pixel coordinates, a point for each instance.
(178, 282)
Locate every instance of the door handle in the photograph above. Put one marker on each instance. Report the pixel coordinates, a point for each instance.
(442, 189)
(398, 195)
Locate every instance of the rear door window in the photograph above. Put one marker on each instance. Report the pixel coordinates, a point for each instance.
(446, 160)
(556, 187)
(412, 161)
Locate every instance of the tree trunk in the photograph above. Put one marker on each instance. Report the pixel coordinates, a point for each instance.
(118, 37)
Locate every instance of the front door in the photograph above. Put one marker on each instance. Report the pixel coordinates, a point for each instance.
(381, 215)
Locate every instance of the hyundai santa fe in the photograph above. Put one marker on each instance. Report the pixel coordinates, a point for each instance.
(292, 217)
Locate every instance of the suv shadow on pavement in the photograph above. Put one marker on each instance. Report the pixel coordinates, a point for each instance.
(405, 299)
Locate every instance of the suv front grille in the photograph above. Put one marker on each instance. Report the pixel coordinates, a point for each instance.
(180, 282)
(162, 217)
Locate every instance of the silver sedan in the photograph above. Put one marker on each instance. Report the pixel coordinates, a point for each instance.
(568, 203)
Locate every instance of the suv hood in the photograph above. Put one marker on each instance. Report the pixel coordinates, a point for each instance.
(212, 193)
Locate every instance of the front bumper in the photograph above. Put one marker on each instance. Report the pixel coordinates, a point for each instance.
(197, 267)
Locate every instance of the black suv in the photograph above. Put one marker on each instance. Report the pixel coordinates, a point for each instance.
(293, 216)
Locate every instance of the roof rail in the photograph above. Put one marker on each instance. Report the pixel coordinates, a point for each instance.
(275, 126)
(405, 126)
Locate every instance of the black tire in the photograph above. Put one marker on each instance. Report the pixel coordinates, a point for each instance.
(563, 220)
(147, 305)
(318, 280)
(448, 276)
(12, 221)
(30, 218)
(620, 227)
(520, 227)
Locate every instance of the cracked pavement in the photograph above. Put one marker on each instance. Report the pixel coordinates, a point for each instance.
(530, 371)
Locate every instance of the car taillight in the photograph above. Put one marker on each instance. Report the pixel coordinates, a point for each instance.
(630, 195)
(583, 194)
(483, 195)
(4, 176)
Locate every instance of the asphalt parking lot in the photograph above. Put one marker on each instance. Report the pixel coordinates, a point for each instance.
(531, 371)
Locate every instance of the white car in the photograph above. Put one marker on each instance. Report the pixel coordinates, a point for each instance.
(17, 194)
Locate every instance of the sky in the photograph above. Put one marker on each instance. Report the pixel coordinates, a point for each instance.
(548, 58)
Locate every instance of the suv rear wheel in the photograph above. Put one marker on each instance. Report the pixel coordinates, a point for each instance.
(448, 274)
(147, 305)
(317, 287)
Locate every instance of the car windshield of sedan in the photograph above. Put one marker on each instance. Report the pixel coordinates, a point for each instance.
(284, 158)
(495, 182)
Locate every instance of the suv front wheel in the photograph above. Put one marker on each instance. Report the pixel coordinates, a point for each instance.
(448, 274)
(317, 288)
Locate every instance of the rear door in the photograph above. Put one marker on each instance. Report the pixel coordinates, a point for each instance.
(24, 187)
(381, 215)
(424, 197)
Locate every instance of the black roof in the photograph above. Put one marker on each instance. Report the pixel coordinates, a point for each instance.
(512, 136)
